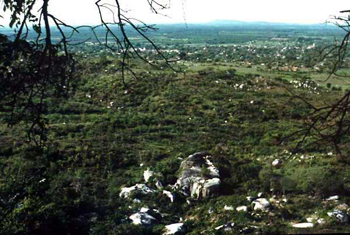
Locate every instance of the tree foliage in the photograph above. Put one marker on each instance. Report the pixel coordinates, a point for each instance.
(31, 71)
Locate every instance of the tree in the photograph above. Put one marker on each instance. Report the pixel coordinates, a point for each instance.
(330, 124)
(31, 71)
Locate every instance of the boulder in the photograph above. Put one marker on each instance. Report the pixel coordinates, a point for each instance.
(158, 184)
(303, 225)
(174, 228)
(147, 174)
(339, 215)
(142, 218)
(261, 204)
(242, 208)
(333, 198)
(199, 177)
(169, 195)
(228, 208)
(277, 163)
(321, 221)
(138, 188)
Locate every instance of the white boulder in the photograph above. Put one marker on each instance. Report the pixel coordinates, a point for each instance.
(303, 225)
(140, 188)
(169, 195)
(242, 209)
(226, 227)
(261, 204)
(333, 198)
(142, 218)
(276, 163)
(174, 228)
(321, 221)
(147, 174)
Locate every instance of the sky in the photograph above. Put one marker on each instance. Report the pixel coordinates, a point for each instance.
(82, 12)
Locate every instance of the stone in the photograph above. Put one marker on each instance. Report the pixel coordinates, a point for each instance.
(158, 184)
(277, 163)
(199, 178)
(147, 174)
(333, 198)
(169, 195)
(250, 199)
(303, 225)
(142, 218)
(144, 209)
(339, 215)
(174, 228)
(139, 188)
(242, 208)
(228, 208)
(226, 227)
(261, 204)
(136, 200)
(321, 221)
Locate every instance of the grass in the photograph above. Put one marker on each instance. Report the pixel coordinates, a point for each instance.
(95, 147)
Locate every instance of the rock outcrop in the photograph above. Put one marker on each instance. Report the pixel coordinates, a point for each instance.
(138, 188)
(199, 177)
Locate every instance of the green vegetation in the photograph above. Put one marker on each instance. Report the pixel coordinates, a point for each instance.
(226, 102)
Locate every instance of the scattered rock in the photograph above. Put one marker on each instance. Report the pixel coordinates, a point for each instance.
(174, 228)
(303, 225)
(226, 227)
(144, 209)
(333, 198)
(321, 221)
(341, 216)
(136, 200)
(277, 163)
(142, 218)
(158, 184)
(261, 204)
(138, 188)
(242, 208)
(169, 195)
(248, 230)
(228, 208)
(199, 177)
(147, 174)
(250, 199)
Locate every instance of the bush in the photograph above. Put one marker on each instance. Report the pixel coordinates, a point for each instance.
(319, 180)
